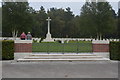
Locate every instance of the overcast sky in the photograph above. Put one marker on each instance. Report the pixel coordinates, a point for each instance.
(75, 6)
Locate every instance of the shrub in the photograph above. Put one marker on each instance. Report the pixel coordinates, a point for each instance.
(115, 50)
(34, 41)
(58, 41)
(7, 50)
(71, 41)
(41, 39)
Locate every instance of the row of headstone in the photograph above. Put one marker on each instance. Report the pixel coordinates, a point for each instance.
(60, 39)
(11, 38)
(83, 39)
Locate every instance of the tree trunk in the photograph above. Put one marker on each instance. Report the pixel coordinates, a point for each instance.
(14, 33)
(97, 36)
(100, 36)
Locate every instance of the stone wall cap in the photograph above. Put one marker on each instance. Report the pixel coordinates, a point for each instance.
(23, 41)
(101, 42)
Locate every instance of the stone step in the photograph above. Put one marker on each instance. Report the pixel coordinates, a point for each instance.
(41, 60)
(60, 57)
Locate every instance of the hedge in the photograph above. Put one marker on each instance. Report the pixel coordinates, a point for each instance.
(115, 50)
(7, 50)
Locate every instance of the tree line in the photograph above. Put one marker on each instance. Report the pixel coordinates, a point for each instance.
(119, 21)
(96, 20)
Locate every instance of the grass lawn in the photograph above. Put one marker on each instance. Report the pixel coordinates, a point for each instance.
(75, 47)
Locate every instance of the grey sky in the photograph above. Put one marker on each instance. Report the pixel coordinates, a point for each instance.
(75, 6)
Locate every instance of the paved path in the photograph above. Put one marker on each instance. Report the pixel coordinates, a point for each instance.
(60, 69)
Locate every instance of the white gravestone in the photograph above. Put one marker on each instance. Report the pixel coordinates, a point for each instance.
(48, 35)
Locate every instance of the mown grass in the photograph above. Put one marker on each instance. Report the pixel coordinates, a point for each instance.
(71, 47)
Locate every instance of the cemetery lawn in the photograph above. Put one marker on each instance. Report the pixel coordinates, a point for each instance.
(71, 47)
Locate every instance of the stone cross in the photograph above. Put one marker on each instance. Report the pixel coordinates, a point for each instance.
(48, 24)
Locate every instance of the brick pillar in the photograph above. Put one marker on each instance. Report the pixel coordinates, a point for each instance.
(23, 46)
(100, 46)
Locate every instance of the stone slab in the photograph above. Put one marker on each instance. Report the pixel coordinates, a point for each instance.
(100, 42)
(23, 41)
(103, 54)
(18, 55)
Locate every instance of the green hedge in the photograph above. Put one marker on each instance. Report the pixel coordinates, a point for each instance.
(7, 50)
(115, 50)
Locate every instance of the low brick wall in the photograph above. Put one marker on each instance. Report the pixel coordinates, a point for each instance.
(23, 46)
(100, 47)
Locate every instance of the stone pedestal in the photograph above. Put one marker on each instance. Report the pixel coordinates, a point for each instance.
(48, 38)
(22, 48)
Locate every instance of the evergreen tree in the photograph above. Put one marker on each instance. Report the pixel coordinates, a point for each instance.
(16, 18)
(119, 23)
(0, 21)
(97, 18)
(40, 24)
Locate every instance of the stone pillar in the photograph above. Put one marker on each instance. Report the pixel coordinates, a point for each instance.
(22, 48)
(101, 48)
(48, 24)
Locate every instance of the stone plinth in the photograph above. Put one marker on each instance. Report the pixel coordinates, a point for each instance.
(23, 46)
(48, 38)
